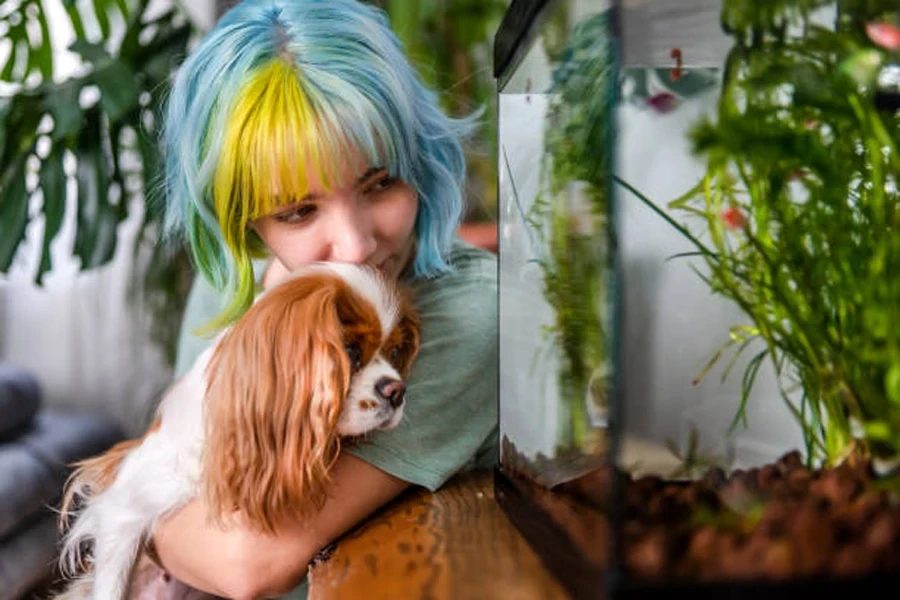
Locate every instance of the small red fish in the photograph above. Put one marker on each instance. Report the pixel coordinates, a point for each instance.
(734, 218)
(884, 34)
(810, 124)
(799, 174)
(663, 102)
(675, 73)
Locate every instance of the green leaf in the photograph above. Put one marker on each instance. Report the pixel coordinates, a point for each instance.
(95, 236)
(102, 18)
(123, 8)
(134, 25)
(75, 19)
(63, 106)
(15, 34)
(53, 186)
(6, 105)
(107, 235)
(119, 90)
(45, 55)
(878, 430)
(91, 52)
(90, 165)
(151, 160)
(163, 53)
(892, 384)
(13, 212)
(20, 122)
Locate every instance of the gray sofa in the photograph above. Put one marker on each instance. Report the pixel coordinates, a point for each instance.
(37, 447)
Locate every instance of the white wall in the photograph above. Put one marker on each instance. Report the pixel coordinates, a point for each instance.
(672, 324)
(79, 334)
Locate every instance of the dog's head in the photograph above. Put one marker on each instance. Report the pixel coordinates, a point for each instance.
(322, 355)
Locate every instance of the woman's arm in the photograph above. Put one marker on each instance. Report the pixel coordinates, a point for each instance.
(242, 564)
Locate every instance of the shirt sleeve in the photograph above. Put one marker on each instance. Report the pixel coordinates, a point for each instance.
(450, 416)
(203, 304)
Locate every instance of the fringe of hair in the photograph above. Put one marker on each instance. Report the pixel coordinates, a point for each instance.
(279, 85)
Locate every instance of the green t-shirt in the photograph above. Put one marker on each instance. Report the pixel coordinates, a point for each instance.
(450, 417)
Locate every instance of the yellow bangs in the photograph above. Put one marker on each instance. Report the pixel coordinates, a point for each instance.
(272, 135)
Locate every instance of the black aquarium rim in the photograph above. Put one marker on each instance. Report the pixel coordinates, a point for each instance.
(511, 38)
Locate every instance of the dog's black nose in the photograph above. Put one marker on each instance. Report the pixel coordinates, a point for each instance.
(391, 390)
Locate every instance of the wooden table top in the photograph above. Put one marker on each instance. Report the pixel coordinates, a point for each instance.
(454, 544)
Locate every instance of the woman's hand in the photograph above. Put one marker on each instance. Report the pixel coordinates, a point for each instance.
(238, 562)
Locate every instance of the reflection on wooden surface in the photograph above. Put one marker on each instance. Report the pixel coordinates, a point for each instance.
(453, 544)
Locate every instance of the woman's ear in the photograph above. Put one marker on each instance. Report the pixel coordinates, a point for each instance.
(276, 386)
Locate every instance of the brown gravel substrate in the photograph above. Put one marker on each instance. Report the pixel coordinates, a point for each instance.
(777, 522)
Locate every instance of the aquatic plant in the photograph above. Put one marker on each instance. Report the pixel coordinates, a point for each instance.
(800, 209)
(570, 217)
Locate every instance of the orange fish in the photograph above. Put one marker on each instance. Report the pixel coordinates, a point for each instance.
(884, 34)
(734, 218)
(676, 73)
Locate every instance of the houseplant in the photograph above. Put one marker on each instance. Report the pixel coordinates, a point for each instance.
(97, 128)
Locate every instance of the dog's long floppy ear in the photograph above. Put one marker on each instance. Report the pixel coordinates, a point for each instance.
(277, 382)
(409, 327)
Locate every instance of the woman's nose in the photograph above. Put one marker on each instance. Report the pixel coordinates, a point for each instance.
(353, 240)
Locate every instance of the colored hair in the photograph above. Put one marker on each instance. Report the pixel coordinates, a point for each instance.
(281, 84)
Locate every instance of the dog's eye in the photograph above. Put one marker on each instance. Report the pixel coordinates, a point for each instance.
(354, 353)
(395, 353)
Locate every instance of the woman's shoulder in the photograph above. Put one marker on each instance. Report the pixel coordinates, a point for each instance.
(472, 271)
(468, 291)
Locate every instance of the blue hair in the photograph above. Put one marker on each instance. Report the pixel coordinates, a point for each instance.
(353, 70)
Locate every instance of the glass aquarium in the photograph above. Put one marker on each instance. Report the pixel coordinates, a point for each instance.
(557, 275)
(699, 364)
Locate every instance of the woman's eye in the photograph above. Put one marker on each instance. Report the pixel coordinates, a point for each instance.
(298, 215)
(354, 354)
(379, 185)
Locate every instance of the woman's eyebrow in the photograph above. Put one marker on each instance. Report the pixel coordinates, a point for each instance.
(310, 197)
(372, 171)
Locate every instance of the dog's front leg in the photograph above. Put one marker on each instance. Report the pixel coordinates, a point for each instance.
(116, 549)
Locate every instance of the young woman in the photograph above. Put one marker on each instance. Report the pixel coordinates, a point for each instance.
(298, 132)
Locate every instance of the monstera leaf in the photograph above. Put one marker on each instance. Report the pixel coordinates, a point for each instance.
(97, 128)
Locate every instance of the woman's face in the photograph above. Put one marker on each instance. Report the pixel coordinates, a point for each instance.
(370, 219)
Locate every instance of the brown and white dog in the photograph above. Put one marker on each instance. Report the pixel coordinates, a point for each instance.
(255, 425)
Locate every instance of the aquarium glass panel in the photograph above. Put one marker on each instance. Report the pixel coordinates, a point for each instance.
(555, 111)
